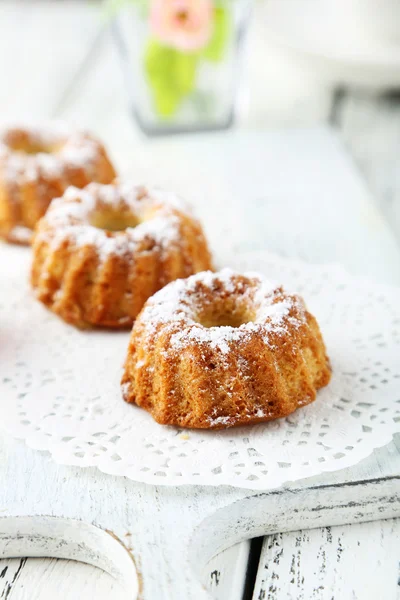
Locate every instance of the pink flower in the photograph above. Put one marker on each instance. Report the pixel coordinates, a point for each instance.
(183, 24)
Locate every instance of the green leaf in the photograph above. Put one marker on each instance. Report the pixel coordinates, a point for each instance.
(158, 60)
(171, 75)
(214, 51)
(185, 72)
(166, 101)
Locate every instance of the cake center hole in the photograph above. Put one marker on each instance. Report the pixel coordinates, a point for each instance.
(225, 318)
(113, 220)
(32, 148)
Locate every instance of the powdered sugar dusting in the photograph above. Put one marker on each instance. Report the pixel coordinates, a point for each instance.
(223, 421)
(218, 338)
(20, 234)
(69, 218)
(46, 133)
(176, 307)
(59, 149)
(226, 421)
(163, 230)
(134, 193)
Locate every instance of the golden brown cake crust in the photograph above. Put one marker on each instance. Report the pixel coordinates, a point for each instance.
(37, 165)
(101, 252)
(223, 349)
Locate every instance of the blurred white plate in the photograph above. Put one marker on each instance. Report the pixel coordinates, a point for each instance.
(331, 40)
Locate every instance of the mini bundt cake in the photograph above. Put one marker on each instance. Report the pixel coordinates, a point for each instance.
(37, 165)
(223, 349)
(101, 252)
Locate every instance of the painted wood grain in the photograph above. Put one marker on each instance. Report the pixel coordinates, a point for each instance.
(357, 562)
(41, 578)
(173, 533)
(225, 574)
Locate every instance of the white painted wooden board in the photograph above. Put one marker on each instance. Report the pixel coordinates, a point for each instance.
(310, 566)
(173, 533)
(295, 193)
(98, 101)
(370, 126)
(41, 578)
(44, 578)
(165, 529)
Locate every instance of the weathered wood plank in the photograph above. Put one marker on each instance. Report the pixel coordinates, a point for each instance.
(225, 574)
(359, 561)
(41, 578)
(173, 533)
(159, 523)
(370, 127)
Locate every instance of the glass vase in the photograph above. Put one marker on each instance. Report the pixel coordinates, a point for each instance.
(182, 61)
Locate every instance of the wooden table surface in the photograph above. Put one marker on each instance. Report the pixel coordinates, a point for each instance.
(58, 60)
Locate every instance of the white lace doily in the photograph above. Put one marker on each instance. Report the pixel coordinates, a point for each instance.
(59, 389)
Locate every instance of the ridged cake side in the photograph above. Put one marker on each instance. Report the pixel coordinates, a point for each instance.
(90, 276)
(30, 181)
(189, 375)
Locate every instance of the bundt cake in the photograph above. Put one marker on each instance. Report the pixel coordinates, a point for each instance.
(222, 349)
(100, 252)
(37, 165)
